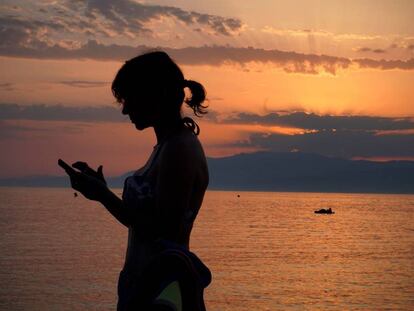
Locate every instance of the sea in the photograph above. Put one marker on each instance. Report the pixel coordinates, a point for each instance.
(266, 251)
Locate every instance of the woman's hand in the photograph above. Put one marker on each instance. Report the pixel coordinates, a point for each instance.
(84, 168)
(87, 181)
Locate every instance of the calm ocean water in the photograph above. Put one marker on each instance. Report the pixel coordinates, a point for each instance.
(267, 251)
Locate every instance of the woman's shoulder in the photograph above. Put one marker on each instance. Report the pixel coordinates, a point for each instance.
(183, 146)
(183, 140)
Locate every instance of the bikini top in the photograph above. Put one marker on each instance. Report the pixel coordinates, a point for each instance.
(136, 188)
(138, 192)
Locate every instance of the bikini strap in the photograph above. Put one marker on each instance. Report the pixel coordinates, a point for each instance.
(154, 157)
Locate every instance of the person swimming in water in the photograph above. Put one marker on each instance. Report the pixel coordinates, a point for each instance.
(160, 201)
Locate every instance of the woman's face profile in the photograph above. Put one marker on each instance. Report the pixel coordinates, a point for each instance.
(140, 109)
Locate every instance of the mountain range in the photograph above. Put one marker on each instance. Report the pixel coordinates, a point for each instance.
(269, 171)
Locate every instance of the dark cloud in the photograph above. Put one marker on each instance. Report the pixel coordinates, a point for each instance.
(84, 83)
(7, 86)
(105, 18)
(26, 38)
(61, 113)
(90, 50)
(385, 64)
(378, 51)
(363, 49)
(291, 62)
(211, 116)
(17, 127)
(40, 36)
(340, 136)
(18, 32)
(16, 121)
(207, 55)
(342, 143)
(41, 112)
(370, 50)
(311, 121)
(131, 16)
(17, 131)
(62, 30)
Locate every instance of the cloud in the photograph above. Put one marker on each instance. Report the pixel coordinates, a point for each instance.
(290, 62)
(65, 36)
(318, 33)
(340, 43)
(206, 55)
(18, 130)
(61, 113)
(14, 131)
(7, 86)
(311, 121)
(40, 112)
(104, 19)
(63, 31)
(84, 83)
(16, 32)
(342, 143)
(126, 16)
(370, 50)
(385, 64)
(339, 136)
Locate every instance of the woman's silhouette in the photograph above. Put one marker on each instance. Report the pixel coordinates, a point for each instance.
(161, 200)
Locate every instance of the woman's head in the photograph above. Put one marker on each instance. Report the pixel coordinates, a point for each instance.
(151, 86)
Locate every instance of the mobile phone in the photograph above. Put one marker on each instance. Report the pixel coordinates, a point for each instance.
(66, 167)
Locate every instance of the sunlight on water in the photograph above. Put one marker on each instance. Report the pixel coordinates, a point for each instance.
(267, 251)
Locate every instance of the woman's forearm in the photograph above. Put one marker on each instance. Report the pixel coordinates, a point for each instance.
(116, 207)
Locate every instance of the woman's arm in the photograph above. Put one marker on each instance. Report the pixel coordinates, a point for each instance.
(115, 206)
(93, 186)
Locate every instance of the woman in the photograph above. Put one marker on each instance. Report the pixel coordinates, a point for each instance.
(161, 200)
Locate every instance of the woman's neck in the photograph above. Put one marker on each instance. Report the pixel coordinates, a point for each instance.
(167, 127)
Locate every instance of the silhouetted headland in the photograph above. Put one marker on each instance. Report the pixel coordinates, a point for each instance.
(267, 171)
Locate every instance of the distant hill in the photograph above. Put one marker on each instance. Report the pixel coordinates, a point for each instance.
(297, 171)
(54, 181)
(267, 171)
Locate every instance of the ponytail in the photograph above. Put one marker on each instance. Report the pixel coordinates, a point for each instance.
(198, 96)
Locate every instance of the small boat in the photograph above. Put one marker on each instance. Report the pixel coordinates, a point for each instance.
(324, 211)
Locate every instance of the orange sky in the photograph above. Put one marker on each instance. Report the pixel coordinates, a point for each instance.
(329, 58)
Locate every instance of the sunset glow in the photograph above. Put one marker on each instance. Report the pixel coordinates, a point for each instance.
(273, 71)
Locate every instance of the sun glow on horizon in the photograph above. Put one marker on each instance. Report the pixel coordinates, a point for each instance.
(327, 59)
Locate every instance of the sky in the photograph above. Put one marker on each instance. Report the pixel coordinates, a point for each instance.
(329, 77)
